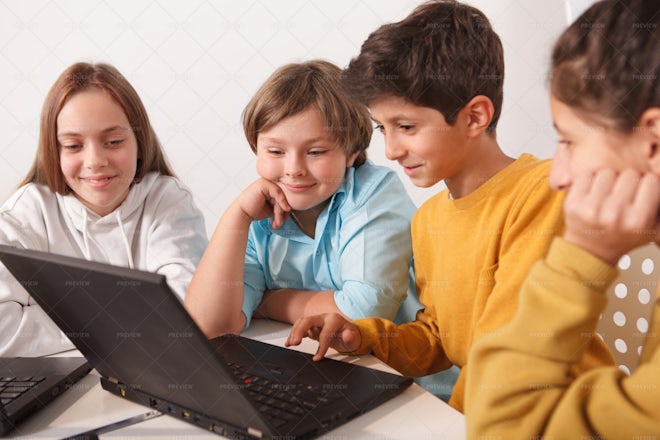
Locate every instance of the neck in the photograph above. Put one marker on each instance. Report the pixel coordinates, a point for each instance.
(483, 160)
(306, 220)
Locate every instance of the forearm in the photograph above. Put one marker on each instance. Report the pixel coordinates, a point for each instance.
(414, 349)
(215, 296)
(288, 305)
(25, 330)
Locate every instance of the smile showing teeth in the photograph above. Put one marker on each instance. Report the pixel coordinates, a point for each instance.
(97, 182)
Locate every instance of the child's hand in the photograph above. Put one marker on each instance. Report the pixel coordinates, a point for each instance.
(331, 330)
(264, 199)
(609, 213)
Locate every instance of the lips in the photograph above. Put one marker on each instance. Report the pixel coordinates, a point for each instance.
(410, 169)
(97, 181)
(297, 187)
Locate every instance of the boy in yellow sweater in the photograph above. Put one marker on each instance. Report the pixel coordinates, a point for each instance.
(433, 83)
(605, 101)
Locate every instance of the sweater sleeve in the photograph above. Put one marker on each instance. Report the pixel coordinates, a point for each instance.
(177, 235)
(413, 349)
(25, 329)
(520, 384)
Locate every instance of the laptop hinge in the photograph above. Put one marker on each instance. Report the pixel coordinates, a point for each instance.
(113, 380)
(255, 432)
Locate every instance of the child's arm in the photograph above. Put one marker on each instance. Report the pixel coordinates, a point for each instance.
(372, 254)
(175, 233)
(25, 329)
(288, 305)
(331, 330)
(519, 382)
(215, 296)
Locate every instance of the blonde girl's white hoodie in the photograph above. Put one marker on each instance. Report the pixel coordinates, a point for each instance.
(157, 228)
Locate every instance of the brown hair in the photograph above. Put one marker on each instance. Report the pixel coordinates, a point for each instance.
(606, 64)
(77, 78)
(295, 87)
(440, 56)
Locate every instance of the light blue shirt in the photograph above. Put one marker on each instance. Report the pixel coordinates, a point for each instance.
(362, 250)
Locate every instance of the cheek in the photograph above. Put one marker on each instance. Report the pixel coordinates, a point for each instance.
(128, 160)
(266, 167)
(67, 165)
(332, 172)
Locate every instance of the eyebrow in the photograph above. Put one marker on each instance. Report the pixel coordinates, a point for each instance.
(308, 141)
(104, 131)
(396, 117)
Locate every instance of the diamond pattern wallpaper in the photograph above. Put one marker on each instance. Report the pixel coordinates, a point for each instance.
(196, 64)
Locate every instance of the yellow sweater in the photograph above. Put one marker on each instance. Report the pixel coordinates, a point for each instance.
(471, 256)
(519, 386)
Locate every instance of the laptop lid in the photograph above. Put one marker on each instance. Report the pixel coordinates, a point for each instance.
(29, 384)
(135, 332)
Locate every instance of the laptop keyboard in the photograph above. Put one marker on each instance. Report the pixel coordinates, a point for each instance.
(282, 402)
(12, 387)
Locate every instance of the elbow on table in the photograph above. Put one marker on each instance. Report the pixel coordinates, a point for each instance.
(227, 326)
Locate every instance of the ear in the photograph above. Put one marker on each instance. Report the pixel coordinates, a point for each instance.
(649, 126)
(350, 160)
(479, 113)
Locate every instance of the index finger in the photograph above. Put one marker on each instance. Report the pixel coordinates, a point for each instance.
(301, 327)
(647, 201)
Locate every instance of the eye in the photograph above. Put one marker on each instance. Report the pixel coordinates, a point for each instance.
(275, 152)
(406, 127)
(380, 128)
(316, 152)
(115, 142)
(70, 147)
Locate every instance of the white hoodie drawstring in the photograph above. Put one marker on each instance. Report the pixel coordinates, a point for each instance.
(126, 244)
(88, 254)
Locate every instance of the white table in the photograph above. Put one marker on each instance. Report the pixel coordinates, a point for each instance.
(414, 414)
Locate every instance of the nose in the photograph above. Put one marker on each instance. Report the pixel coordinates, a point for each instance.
(560, 178)
(95, 155)
(295, 166)
(394, 149)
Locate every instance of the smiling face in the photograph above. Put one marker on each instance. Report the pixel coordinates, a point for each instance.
(303, 159)
(98, 150)
(420, 139)
(586, 147)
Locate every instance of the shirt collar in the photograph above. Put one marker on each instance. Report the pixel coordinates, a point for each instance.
(291, 231)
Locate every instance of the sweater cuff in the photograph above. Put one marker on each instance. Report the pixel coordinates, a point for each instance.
(369, 331)
(591, 271)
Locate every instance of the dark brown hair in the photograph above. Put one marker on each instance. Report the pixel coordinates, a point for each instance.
(77, 78)
(440, 56)
(295, 87)
(606, 64)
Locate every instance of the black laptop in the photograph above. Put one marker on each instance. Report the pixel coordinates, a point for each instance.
(28, 384)
(135, 332)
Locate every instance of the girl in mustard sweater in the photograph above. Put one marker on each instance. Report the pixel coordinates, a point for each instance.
(605, 101)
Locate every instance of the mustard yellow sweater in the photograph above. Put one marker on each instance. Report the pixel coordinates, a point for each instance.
(471, 256)
(519, 384)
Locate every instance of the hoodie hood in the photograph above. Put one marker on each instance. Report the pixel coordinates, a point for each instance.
(109, 237)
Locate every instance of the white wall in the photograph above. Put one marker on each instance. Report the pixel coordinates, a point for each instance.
(196, 63)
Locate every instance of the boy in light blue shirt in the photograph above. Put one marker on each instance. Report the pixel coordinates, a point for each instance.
(322, 230)
(358, 243)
